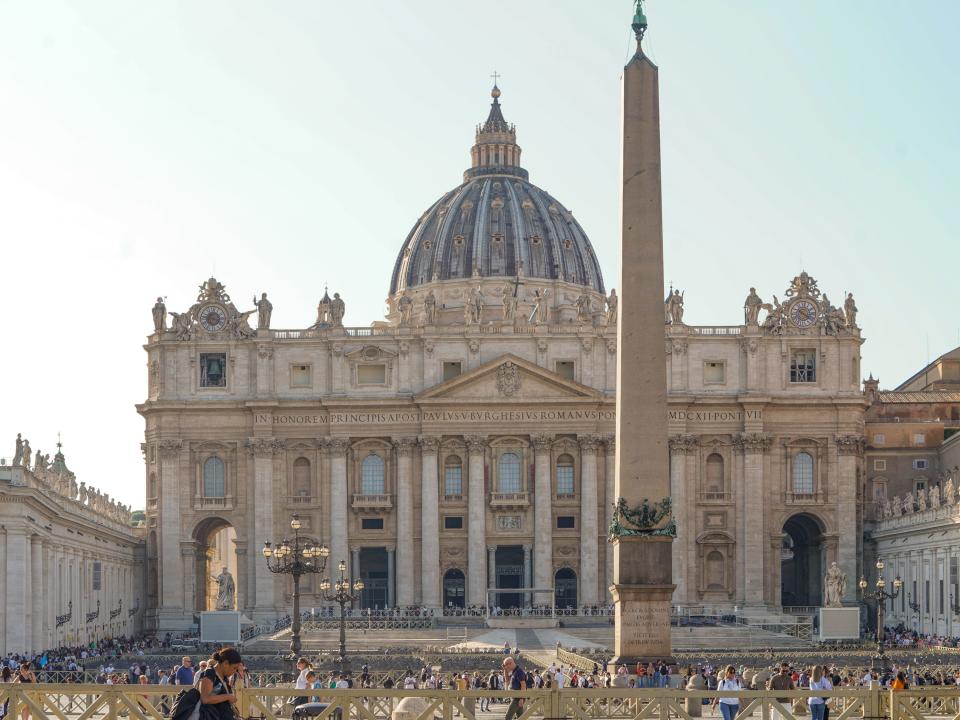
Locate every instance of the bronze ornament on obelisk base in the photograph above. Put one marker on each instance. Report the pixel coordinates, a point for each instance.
(642, 528)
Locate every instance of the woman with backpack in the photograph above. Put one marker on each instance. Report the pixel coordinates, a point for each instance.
(216, 693)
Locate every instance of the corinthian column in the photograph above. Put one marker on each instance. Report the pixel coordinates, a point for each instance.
(429, 524)
(476, 522)
(405, 564)
(36, 594)
(542, 517)
(338, 502)
(753, 446)
(589, 550)
(262, 450)
(850, 449)
(171, 572)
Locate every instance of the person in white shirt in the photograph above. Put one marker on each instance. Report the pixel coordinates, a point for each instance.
(561, 678)
(729, 706)
(303, 665)
(818, 681)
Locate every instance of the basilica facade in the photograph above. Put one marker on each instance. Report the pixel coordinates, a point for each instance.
(465, 444)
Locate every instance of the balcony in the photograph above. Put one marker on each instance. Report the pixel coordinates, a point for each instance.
(213, 503)
(715, 496)
(811, 498)
(566, 497)
(453, 499)
(509, 500)
(372, 503)
(300, 500)
(151, 503)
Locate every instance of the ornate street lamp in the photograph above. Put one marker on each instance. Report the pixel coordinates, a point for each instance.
(880, 595)
(343, 597)
(296, 558)
(914, 607)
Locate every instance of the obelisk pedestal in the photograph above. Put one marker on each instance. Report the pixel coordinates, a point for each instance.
(642, 531)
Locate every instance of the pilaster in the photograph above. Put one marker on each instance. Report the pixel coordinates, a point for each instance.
(405, 561)
(429, 523)
(543, 517)
(589, 546)
(476, 521)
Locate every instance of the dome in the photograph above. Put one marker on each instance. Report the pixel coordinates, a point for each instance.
(496, 224)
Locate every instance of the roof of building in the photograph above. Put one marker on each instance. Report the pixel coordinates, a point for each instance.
(893, 396)
(496, 224)
(922, 378)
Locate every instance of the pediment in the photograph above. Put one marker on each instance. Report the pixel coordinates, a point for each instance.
(509, 378)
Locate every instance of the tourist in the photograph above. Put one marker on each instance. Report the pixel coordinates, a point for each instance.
(818, 681)
(25, 675)
(216, 694)
(782, 681)
(183, 675)
(729, 706)
(514, 678)
(6, 676)
(304, 668)
(409, 681)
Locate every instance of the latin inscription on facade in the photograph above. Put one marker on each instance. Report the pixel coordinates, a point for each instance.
(714, 416)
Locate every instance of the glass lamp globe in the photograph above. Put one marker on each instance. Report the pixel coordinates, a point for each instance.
(881, 583)
(880, 564)
(295, 522)
(267, 550)
(342, 567)
(863, 583)
(897, 583)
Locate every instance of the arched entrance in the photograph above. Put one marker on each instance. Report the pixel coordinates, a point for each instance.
(374, 572)
(565, 583)
(216, 550)
(802, 562)
(454, 588)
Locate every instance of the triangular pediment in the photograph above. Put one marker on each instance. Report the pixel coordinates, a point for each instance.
(509, 378)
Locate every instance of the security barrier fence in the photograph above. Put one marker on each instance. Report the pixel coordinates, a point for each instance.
(152, 702)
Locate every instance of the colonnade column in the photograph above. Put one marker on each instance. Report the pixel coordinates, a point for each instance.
(542, 517)
(753, 446)
(476, 521)
(527, 573)
(850, 449)
(170, 592)
(492, 574)
(338, 504)
(610, 476)
(429, 523)
(36, 593)
(3, 593)
(405, 563)
(241, 551)
(353, 571)
(49, 594)
(392, 577)
(589, 548)
(262, 450)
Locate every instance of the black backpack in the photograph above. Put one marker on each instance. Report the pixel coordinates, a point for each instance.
(185, 704)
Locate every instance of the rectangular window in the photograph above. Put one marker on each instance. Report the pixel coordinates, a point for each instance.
(453, 522)
(97, 575)
(565, 479)
(566, 522)
(371, 374)
(879, 464)
(371, 524)
(803, 366)
(926, 596)
(919, 439)
(564, 368)
(213, 370)
(301, 376)
(919, 464)
(879, 439)
(451, 369)
(919, 485)
(714, 372)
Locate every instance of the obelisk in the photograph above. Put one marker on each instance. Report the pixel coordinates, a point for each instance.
(642, 536)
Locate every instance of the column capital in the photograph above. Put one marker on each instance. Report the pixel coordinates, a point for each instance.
(850, 444)
(610, 443)
(475, 443)
(339, 446)
(588, 444)
(390, 549)
(542, 442)
(527, 548)
(170, 448)
(684, 444)
(752, 442)
(265, 447)
(429, 444)
(404, 446)
(491, 548)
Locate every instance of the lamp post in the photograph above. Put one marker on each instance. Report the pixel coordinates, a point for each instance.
(296, 558)
(343, 597)
(880, 595)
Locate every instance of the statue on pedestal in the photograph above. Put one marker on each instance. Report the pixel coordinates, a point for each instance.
(159, 316)
(338, 309)
(751, 308)
(18, 453)
(226, 590)
(264, 311)
(430, 309)
(405, 306)
(673, 308)
(25, 461)
(850, 311)
(835, 585)
(948, 492)
(510, 302)
(584, 307)
(612, 307)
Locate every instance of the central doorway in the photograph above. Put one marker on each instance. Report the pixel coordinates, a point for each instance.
(454, 588)
(802, 562)
(509, 562)
(373, 572)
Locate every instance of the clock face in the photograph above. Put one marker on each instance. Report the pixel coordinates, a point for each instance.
(803, 313)
(213, 318)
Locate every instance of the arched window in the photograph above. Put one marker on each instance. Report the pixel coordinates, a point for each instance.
(714, 484)
(454, 587)
(803, 474)
(371, 476)
(453, 476)
(301, 477)
(715, 570)
(153, 485)
(510, 473)
(565, 485)
(213, 481)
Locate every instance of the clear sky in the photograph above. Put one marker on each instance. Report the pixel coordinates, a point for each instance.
(144, 146)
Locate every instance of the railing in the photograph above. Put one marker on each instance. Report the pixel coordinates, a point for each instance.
(453, 498)
(151, 503)
(203, 503)
(800, 609)
(153, 702)
(566, 496)
(372, 623)
(299, 499)
(568, 657)
(372, 502)
(718, 330)
(715, 496)
(520, 499)
(811, 498)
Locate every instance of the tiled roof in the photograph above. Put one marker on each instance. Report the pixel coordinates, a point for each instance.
(888, 396)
